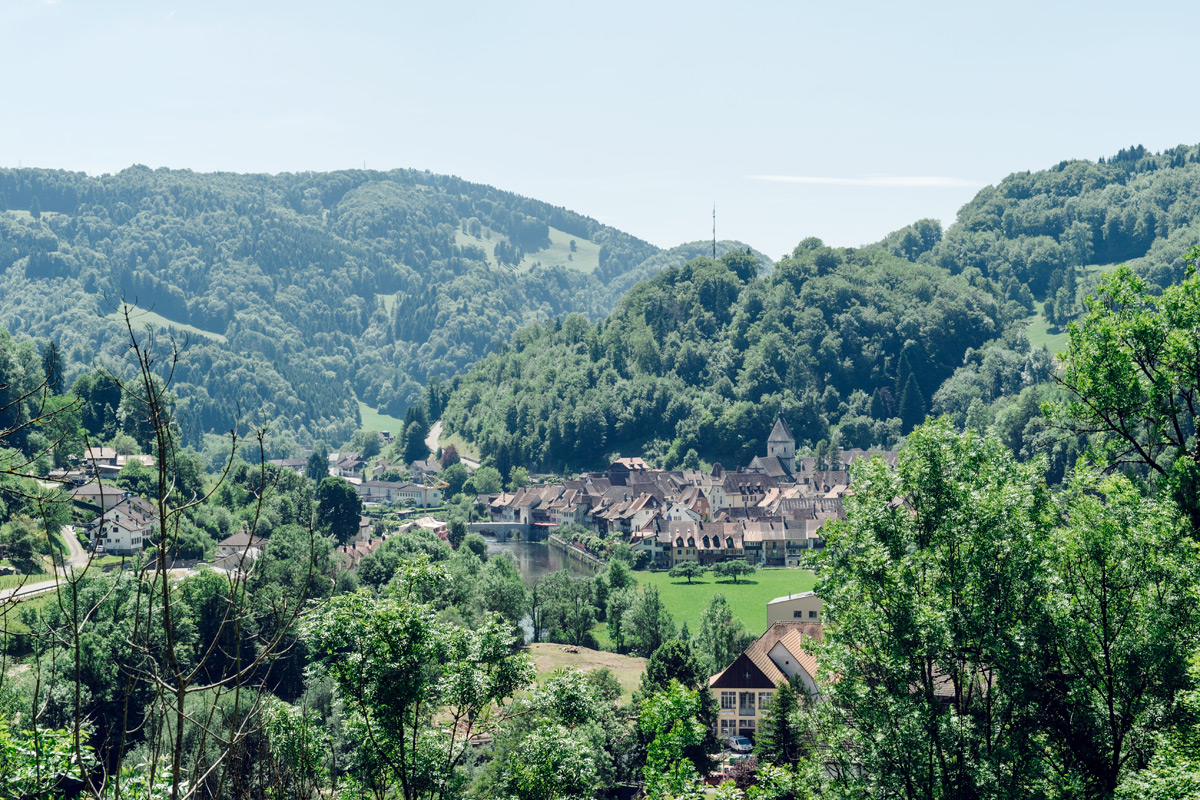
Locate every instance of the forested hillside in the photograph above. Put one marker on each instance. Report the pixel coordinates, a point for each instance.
(300, 293)
(1049, 231)
(852, 346)
(702, 357)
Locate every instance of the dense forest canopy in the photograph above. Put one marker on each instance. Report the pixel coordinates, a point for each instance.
(852, 346)
(300, 293)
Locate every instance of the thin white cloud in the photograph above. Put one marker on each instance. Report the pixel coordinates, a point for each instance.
(884, 181)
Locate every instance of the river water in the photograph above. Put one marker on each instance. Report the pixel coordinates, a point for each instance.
(536, 560)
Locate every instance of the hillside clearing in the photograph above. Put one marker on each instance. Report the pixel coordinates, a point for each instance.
(628, 670)
(142, 318)
(372, 420)
(586, 257)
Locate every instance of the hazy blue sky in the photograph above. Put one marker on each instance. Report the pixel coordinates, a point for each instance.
(837, 120)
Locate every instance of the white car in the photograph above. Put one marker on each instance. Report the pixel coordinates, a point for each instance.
(739, 744)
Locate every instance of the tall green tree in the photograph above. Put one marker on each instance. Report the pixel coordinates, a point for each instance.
(781, 737)
(1132, 367)
(416, 690)
(53, 367)
(339, 508)
(722, 636)
(316, 468)
(912, 403)
(1126, 609)
(647, 623)
(669, 719)
(934, 588)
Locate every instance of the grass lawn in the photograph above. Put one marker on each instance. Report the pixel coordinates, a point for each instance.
(142, 317)
(1041, 334)
(460, 444)
(627, 669)
(372, 420)
(748, 599)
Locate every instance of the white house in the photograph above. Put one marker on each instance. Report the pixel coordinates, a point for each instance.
(804, 606)
(124, 529)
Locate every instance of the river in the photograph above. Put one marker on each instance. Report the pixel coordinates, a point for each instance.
(536, 560)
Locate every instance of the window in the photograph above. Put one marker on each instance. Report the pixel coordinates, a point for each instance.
(746, 704)
(728, 727)
(812, 615)
(728, 699)
(764, 700)
(797, 615)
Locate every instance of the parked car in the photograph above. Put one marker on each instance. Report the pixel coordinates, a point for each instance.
(739, 744)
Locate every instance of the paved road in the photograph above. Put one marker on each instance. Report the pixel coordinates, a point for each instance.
(431, 441)
(77, 556)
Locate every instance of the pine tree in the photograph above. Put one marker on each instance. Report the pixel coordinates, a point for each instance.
(903, 373)
(912, 404)
(52, 366)
(878, 407)
(35, 208)
(780, 738)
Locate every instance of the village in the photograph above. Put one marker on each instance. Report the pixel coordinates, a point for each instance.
(768, 513)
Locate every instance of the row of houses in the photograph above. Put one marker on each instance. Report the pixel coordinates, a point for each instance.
(352, 467)
(768, 513)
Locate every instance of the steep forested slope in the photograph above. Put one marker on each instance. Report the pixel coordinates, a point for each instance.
(701, 357)
(302, 293)
(1039, 233)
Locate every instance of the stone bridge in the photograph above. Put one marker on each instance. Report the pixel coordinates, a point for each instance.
(502, 531)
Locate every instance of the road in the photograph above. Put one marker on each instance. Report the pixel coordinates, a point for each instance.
(77, 558)
(431, 441)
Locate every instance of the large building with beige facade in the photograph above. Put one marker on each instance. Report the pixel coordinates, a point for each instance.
(744, 689)
(805, 606)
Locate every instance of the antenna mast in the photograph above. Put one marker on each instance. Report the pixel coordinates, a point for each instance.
(714, 230)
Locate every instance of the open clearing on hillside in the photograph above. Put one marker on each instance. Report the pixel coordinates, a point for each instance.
(1054, 339)
(142, 317)
(1041, 335)
(585, 258)
(748, 599)
(461, 445)
(372, 420)
(627, 669)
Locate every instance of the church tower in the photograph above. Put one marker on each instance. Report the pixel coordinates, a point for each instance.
(782, 445)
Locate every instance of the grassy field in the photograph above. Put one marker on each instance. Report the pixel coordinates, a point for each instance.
(1054, 338)
(460, 444)
(13, 581)
(627, 669)
(141, 318)
(486, 245)
(372, 420)
(748, 599)
(1041, 334)
(585, 258)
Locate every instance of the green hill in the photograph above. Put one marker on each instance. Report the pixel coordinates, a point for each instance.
(851, 346)
(301, 295)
